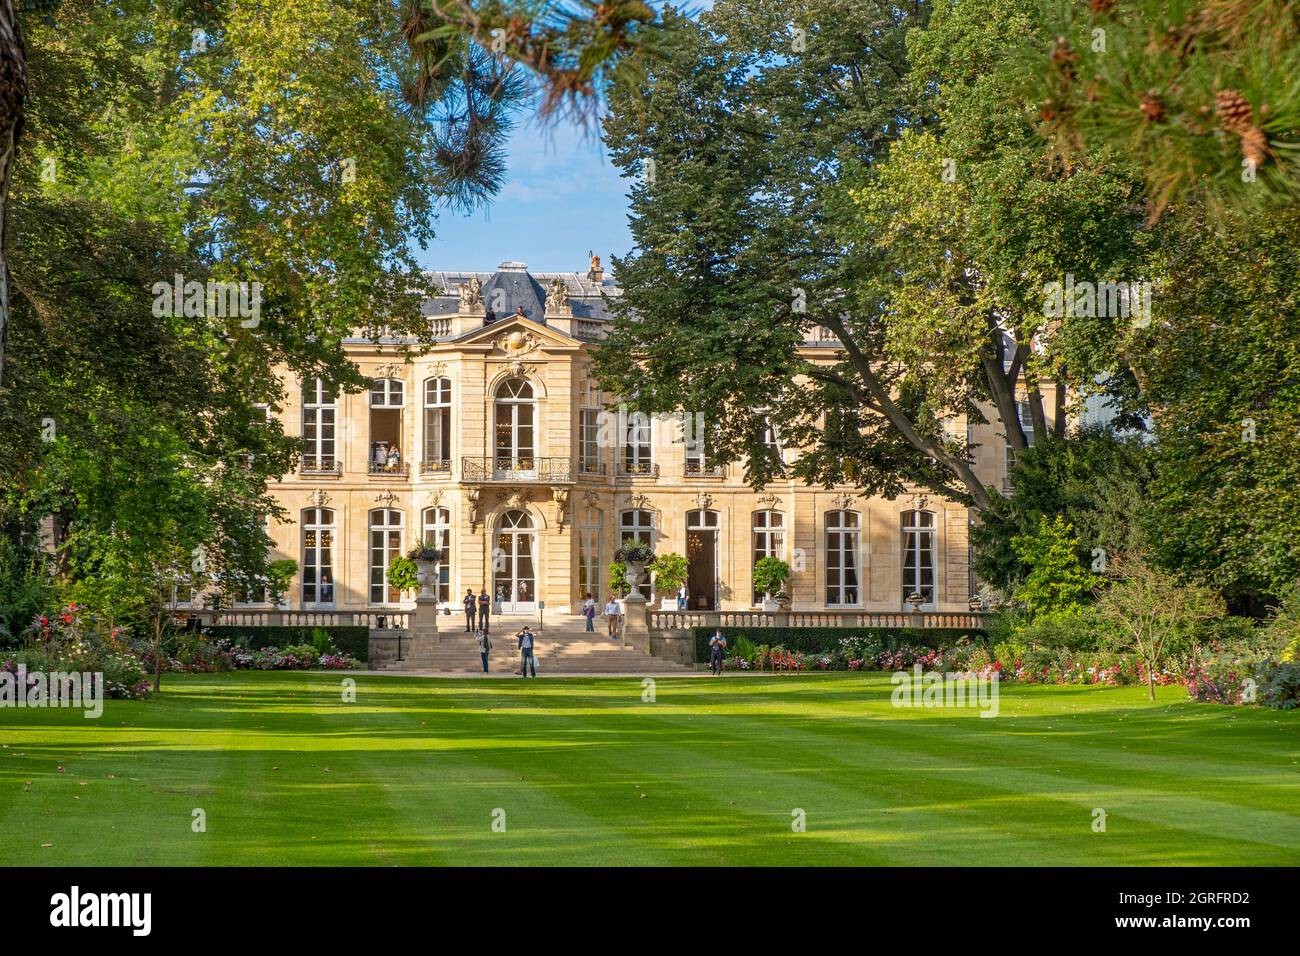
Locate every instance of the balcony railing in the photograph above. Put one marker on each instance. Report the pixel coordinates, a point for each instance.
(516, 469)
(318, 465)
(698, 469)
(591, 468)
(638, 469)
(399, 469)
(436, 467)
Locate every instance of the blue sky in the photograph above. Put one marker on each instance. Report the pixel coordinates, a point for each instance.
(562, 198)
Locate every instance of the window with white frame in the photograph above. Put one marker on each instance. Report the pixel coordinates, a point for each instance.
(319, 417)
(385, 545)
(318, 557)
(437, 528)
(769, 540)
(589, 441)
(918, 557)
(638, 445)
(437, 424)
(842, 535)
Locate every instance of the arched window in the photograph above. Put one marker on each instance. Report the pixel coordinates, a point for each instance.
(637, 525)
(842, 530)
(769, 540)
(319, 453)
(437, 528)
(918, 557)
(385, 545)
(515, 426)
(437, 426)
(318, 557)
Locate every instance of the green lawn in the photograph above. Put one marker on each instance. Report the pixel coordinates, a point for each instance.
(589, 774)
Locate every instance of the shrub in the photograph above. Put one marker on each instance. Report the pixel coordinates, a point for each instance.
(822, 640)
(403, 574)
(350, 639)
(1280, 687)
(669, 572)
(1056, 581)
(1079, 629)
(769, 574)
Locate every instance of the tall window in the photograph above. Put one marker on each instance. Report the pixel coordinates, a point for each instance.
(918, 556)
(591, 529)
(318, 557)
(637, 525)
(387, 396)
(589, 441)
(1026, 420)
(769, 539)
(638, 447)
(437, 528)
(842, 531)
(437, 424)
(318, 421)
(385, 545)
(772, 439)
(515, 425)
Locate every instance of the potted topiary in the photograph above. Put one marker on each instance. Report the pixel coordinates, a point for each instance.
(769, 574)
(670, 574)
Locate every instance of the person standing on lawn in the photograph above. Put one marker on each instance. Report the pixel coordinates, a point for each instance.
(484, 609)
(717, 649)
(526, 659)
(484, 648)
(471, 604)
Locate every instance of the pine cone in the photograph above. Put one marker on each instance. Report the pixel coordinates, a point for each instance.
(1101, 7)
(1063, 56)
(1152, 107)
(1254, 146)
(1235, 114)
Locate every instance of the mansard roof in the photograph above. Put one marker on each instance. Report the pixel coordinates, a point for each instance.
(519, 287)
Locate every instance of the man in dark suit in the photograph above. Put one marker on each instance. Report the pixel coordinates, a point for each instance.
(470, 604)
(484, 610)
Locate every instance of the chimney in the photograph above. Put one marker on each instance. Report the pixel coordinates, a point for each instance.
(595, 273)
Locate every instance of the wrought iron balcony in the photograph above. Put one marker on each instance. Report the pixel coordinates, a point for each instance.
(397, 469)
(591, 468)
(516, 469)
(436, 467)
(638, 469)
(319, 465)
(699, 469)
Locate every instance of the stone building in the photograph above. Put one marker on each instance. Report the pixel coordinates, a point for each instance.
(496, 442)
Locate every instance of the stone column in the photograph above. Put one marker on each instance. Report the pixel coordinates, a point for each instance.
(636, 622)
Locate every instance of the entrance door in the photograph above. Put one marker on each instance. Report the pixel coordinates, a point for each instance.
(702, 558)
(514, 564)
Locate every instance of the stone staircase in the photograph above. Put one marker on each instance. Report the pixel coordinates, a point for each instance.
(563, 647)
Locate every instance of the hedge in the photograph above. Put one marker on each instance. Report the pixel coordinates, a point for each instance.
(817, 640)
(351, 639)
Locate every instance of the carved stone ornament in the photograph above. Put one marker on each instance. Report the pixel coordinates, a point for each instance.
(704, 502)
(471, 294)
(591, 498)
(388, 498)
(437, 369)
(561, 496)
(640, 501)
(472, 496)
(769, 501)
(557, 298)
(517, 342)
(842, 502)
(434, 498)
(391, 370)
(318, 498)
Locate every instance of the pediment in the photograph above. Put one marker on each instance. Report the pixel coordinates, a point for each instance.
(516, 337)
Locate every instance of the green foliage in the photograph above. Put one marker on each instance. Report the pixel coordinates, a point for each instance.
(1056, 583)
(403, 574)
(353, 640)
(770, 574)
(1080, 628)
(1281, 688)
(1094, 480)
(320, 640)
(669, 572)
(813, 640)
(617, 578)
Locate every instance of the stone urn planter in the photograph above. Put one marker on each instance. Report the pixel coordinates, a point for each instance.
(428, 578)
(771, 604)
(634, 575)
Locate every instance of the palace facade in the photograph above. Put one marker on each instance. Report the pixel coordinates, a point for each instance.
(495, 442)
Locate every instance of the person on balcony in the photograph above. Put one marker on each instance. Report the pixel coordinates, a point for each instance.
(394, 459)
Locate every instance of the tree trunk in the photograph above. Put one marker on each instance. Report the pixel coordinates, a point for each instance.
(1151, 683)
(13, 96)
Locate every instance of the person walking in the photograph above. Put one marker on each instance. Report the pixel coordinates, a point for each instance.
(484, 610)
(717, 649)
(612, 617)
(589, 611)
(471, 604)
(526, 658)
(681, 598)
(484, 648)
